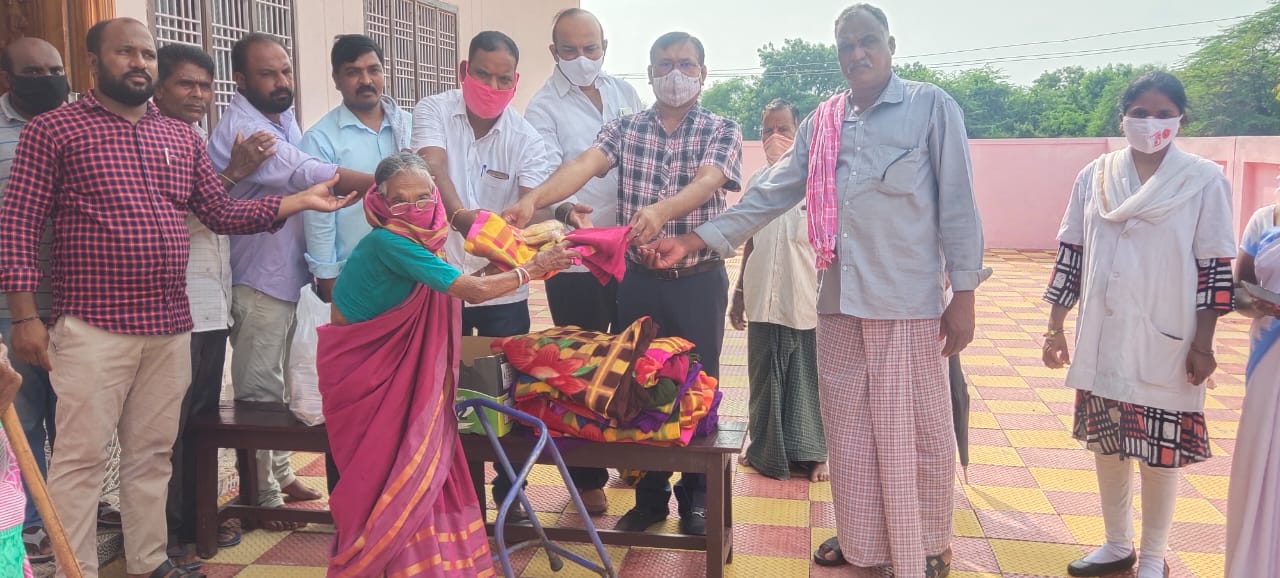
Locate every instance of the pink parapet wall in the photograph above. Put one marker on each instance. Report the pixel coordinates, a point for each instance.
(1022, 185)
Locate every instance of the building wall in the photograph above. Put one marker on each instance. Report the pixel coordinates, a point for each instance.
(1022, 185)
(528, 22)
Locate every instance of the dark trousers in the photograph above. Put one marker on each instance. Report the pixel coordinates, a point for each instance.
(208, 357)
(693, 308)
(496, 320)
(578, 299)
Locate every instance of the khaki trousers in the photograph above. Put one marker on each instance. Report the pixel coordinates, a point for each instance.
(112, 383)
(261, 332)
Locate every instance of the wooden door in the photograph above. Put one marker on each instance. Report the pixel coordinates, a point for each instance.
(63, 23)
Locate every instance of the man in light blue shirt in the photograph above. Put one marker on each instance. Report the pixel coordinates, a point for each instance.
(268, 271)
(357, 135)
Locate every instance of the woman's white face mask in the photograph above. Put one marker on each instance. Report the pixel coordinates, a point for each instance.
(1150, 135)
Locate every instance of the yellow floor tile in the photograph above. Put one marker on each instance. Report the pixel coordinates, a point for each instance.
(1087, 530)
(1039, 371)
(1211, 403)
(770, 511)
(1197, 510)
(967, 525)
(1056, 394)
(1212, 487)
(1058, 480)
(1029, 315)
(1020, 351)
(1204, 565)
(542, 475)
(997, 380)
(1009, 406)
(983, 420)
(966, 574)
(820, 492)
(1030, 500)
(980, 342)
(994, 456)
(252, 546)
(1034, 558)
(986, 360)
(1051, 439)
(540, 567)
(1006, 334)
(1223, 429)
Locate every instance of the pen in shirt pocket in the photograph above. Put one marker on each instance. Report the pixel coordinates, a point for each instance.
(167, 159)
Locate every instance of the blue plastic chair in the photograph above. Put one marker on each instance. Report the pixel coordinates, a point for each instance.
(502, 555)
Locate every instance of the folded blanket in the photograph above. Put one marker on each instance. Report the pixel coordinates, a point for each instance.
(602, 249)
(591, 368)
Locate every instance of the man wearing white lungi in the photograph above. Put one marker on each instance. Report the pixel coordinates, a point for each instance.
(884, 170)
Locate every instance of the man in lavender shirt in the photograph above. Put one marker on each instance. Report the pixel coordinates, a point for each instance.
(268, 271)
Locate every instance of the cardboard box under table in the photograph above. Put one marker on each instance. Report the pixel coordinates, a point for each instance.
(484, 374)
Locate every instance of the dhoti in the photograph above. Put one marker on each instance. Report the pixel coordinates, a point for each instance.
(886, 411)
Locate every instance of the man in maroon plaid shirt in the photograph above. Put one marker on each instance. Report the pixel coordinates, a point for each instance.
(117, 179)
(676, 161)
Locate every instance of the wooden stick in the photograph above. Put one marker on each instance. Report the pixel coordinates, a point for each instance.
(39, 493)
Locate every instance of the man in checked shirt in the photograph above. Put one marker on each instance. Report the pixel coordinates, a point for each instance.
(676, 161)
(117, 178)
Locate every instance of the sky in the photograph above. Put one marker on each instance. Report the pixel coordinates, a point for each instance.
(732, 31)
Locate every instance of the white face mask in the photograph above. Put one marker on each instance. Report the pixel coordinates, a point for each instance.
(676, 89)
(581, 71)
(1150, 135)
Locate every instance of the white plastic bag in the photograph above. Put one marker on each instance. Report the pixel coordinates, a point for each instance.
(300, 376)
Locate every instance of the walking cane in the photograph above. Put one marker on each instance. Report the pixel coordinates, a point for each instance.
(31, 473)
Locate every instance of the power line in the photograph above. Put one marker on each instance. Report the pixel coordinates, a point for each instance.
(821, 67)
(834, 67)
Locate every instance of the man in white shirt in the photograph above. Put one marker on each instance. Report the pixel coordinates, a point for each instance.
(483, 155)
(568, 112)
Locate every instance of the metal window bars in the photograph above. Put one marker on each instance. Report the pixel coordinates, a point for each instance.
(215, 26)
(419, 39)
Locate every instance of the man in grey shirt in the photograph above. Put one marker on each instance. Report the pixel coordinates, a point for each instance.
(884, 170)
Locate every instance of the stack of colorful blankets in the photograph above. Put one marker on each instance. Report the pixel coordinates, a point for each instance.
(631, 387)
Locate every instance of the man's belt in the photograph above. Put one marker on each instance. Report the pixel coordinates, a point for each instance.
(674, 274)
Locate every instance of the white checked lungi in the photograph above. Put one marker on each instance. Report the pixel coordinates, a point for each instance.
(886, 410)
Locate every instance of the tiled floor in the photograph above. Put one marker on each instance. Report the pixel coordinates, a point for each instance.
(1029, 505)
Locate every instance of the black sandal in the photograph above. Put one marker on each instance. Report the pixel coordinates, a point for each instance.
(168, 570)
(831, 545)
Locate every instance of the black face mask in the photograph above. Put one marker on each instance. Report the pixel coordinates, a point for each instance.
(40, 94)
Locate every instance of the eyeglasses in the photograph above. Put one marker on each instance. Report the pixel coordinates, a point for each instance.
(420, 205)
(688, 67)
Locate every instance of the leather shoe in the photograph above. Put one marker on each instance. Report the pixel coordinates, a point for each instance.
(695, 522)
(595, 501)
(638, 520)
(1082, 569)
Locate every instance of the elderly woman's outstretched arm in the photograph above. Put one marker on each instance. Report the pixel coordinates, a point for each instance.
(480, 289)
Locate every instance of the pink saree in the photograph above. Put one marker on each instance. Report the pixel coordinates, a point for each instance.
(405, 505)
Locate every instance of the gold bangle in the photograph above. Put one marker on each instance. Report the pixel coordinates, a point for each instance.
(1053, 332)
(455, 216)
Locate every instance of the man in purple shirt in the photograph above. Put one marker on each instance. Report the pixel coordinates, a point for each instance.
(268, 271)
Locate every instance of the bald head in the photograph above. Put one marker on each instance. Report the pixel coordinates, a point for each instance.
(28, 56)
(576, 20)
(575, 33)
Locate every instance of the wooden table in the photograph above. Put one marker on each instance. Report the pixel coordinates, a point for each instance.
(247, 427)
(713, 455)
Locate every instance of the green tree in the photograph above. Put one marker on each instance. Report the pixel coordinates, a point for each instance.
(1231, 79)
(736, 98)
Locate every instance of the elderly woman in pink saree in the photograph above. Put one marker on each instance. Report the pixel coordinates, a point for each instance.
(405, 505)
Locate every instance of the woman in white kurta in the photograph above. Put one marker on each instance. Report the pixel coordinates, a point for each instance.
(1146, 245)
(1253, 513)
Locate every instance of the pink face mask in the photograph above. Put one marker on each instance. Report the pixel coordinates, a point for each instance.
(482, 100)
